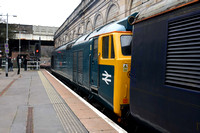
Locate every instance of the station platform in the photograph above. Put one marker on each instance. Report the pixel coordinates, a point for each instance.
(37, 102)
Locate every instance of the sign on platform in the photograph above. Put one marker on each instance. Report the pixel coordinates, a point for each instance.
(7, 51)
(6, 45)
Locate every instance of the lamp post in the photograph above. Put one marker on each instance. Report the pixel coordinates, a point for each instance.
(7, 42)
(20, 49)
(19, 58)
(19, 52)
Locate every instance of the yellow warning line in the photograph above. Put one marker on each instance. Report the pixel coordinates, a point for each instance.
(54, 100)
(48, 89)
(63, 112)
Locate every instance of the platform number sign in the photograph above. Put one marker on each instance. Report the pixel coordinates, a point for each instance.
(6, 46)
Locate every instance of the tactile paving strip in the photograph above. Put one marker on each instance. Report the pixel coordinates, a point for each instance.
(68, 119)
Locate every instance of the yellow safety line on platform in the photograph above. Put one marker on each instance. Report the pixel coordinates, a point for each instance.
(59, 106)
(110, 122)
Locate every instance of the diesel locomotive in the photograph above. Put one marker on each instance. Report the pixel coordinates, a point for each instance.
(151, 68)
(99, 62)
(165, 67)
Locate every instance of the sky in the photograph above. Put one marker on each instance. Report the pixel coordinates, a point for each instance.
(38, 12)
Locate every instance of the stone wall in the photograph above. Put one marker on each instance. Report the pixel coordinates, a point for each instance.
(92, 14)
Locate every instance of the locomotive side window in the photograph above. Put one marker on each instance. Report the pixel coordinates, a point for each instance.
(108, 47)
(112, 48)
(105, 47)
(95, 51)
(126, 44)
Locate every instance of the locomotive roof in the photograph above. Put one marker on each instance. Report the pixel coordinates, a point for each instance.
(121, 25)
(114, 26)
(63, 47)
(162, 7)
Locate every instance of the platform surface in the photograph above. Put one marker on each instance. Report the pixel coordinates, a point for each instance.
(36, 102)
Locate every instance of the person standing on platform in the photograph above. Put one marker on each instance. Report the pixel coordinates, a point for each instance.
(11, 64)
(8, 63)
(18, 63)
(0, 61)
(22, 60)
(25, 63)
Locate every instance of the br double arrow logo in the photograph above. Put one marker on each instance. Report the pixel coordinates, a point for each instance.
(105, 77)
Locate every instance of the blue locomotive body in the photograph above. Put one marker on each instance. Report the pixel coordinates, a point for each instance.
(73, 62)
(165, 70)
(96, 63)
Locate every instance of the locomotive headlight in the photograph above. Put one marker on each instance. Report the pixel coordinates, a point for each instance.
(131, 19)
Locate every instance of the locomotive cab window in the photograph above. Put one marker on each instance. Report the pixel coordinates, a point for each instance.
(112, 48)
(95, 51)
(105, 47)
(126, 41)
(108, 47)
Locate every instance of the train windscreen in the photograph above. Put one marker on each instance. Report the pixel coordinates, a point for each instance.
(126, 44)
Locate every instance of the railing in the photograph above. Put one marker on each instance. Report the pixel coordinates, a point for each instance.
(33, 65)
(3, 63)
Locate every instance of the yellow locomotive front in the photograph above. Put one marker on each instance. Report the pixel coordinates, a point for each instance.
(114, 59)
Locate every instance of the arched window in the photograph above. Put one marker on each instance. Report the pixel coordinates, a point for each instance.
(89, 26)
(66, 38)
(69, 37)
(80, 31)
(74, 34)
(112, 13)
(98, 21)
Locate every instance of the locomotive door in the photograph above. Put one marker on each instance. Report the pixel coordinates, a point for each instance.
(106, 68)
(94, 77)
